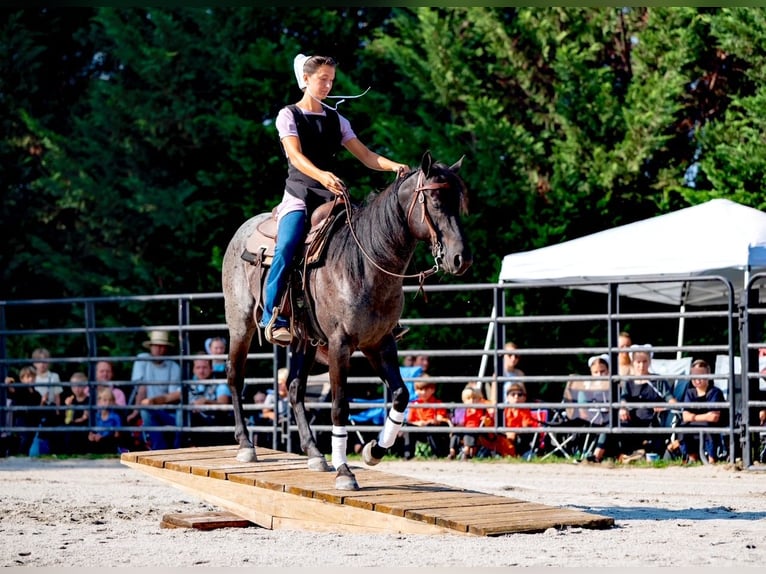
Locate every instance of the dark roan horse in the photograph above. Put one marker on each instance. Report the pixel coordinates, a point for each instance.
(357, 299)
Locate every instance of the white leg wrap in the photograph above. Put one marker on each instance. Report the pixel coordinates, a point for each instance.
(387, 435)
(339, 445)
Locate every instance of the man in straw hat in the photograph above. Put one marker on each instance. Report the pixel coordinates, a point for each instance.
(159, 383)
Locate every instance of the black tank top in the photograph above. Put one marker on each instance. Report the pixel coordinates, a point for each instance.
(320, 137)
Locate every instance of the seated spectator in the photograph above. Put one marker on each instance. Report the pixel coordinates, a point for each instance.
(207, 392)
(277, 407)
(104, 377)
(77, 417)
(217, 346)
(630, 447)
(21, 395)
(470, 416)
(48, 384)
(701, 390)
(158, 383)
(511, 370)
(107, 440)
(425, 416)
(638, 390)
(519, 443)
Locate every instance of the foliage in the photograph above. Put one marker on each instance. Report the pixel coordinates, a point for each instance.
(135, 140)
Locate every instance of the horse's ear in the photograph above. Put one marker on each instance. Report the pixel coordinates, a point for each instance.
(456, 166)
(425, 163)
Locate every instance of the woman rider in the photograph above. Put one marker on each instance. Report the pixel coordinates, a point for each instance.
(311, 133)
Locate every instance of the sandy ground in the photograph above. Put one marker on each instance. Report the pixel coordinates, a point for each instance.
(101, 513)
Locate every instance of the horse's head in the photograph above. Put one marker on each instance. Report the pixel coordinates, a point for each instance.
(433, 197)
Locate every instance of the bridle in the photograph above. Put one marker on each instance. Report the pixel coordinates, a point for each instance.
(418, 197)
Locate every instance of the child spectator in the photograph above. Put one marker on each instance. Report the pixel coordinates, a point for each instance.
(472, 417)
(75, 440)
(423, 416)
(21, 396)
(107, 440)
(47, 383)
(518, 417)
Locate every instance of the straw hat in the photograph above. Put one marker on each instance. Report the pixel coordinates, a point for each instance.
(158, 338)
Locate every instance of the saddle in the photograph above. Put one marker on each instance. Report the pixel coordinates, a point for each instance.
(259, 252)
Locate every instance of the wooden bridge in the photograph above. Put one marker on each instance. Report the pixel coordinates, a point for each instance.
(279, 491)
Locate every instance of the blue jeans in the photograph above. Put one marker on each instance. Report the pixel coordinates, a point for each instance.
(156, 418)
(290, 235)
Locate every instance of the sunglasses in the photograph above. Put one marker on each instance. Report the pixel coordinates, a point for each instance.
(517, 394)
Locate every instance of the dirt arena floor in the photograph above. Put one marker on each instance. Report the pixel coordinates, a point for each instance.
(99, 513)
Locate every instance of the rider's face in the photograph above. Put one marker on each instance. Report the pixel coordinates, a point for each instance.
(320, 82)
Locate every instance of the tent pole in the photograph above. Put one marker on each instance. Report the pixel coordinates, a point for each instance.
(681, 325)
(488, 340)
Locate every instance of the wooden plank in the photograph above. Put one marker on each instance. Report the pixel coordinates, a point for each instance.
(278, 491)
(204, 520)
(400, 506)
(272, 509)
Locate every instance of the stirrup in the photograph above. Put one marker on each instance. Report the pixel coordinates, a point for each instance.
(281, 335)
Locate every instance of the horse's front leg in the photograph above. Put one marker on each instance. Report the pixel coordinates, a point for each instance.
(235, 377)
(339, 359)
(301, 362)
(386, 365)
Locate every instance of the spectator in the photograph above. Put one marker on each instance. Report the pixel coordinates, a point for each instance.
(519, 417)
(47, 382)
(470, 417)
(279, 406)
(424, 416)
(159, 383)
(637, 390)
(422, 361)
(107, 440)
(410, 373)
(702, 390)
(23, 394)
(206, 392)
(104, 376)
(217, 346)
(497, 392)
(624, 342)
(77, 416)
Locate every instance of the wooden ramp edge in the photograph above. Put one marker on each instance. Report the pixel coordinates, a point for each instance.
(279, 491)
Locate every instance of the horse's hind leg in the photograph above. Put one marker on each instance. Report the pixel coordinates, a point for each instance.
(235, 377)
(299, 370)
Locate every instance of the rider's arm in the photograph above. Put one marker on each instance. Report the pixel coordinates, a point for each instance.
(370, 158)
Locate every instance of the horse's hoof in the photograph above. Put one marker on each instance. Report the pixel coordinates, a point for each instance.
(319, 463)
(367, 453)
(247, 455)
(345, 479)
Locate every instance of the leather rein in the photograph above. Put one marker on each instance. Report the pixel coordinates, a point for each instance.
(418, 197)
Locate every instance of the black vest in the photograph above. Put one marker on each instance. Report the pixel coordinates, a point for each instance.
(320, 141)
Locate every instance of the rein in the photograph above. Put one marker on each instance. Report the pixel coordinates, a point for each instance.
(437, 249)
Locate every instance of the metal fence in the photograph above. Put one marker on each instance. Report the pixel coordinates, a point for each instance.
(463, 328)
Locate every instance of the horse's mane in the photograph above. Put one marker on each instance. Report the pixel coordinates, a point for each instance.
(380, 222)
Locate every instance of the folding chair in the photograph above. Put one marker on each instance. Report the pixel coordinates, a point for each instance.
(586, 392)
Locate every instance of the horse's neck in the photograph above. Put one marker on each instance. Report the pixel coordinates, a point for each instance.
(384, 243)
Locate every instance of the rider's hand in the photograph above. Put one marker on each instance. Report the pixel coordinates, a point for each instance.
(402, 170)
(333, 183)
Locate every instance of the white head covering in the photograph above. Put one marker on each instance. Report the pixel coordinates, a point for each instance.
(298, 62)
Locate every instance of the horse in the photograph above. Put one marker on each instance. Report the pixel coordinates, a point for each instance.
(357, 298)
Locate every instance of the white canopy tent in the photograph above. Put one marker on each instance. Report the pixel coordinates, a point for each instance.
(716, 238)
(719, 237)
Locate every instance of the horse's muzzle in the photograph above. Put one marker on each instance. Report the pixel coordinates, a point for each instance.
(459, 263)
